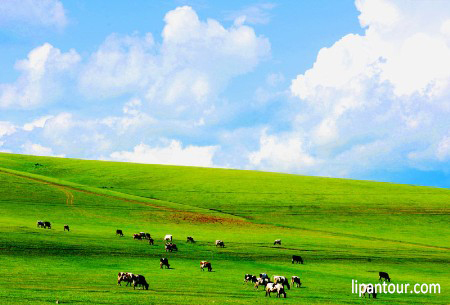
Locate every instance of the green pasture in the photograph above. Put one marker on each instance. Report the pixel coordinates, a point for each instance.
(343, 229)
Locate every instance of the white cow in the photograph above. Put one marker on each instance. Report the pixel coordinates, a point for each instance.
(270, 287)
(280, 290)
(168, 237)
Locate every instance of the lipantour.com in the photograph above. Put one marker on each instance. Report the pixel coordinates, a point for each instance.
(374, 289)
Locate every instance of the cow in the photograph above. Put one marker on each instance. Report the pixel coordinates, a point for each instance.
(297, 259)
(47, 225)
(205, 264)
(151, 241)
(124, 277)
(137, 236)
(66, 227)
(384, 276)
(249, 278)
(139, 280)
(147, 236)
(277, 242)
(164, 262)
(280, 290)
(296, 281)
(119, 232)
(270, 287)
(220, 243)
(171, 247)
(369, 289)
(278, 279)
(168, 237)
(264, 276)
(261, 281)
(190, 239)
(40, 224)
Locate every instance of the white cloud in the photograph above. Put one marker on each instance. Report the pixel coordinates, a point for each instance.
(254, 14)
(33, 12)
(38, 150)
(40, 78)
(133, 118)
(184, 73)
(7, 128)
(282, 153)
(443, 149)
(172, 153)
(38, 123)
(380, 100)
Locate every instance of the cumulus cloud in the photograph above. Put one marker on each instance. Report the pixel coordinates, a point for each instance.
(133, 118)
(40, 78)
(7, 128)
(183, 73)
(379, 99)
(172, 153)
(48, 13)
(37, 123)
(38, 150)
(282, 153)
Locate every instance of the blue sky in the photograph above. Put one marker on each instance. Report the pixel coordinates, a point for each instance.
(353, 89)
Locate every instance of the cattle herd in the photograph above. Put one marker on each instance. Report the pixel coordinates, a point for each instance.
(276, 284)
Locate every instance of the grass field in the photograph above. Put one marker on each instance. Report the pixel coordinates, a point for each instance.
(343, 229)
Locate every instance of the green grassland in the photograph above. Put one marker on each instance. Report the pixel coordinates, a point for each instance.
(343, 229)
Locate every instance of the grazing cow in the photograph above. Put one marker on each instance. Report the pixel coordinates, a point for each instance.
(205, 264)
(369, 289)
(164, 262)
(137, 236)
(280, 290)
(277, 242)
(40, 224)
(168, 237)
(264, 276)
(297, 259)
(147, 236)
(249, 278)
(296, 281)
(119, 232)
(220, 243)
(124, 277)
(151, 241)
(190, 239)
(270, 287)
(139, 280)
(261, 281)
(278, 279)
(384, 276)
(47, 225)
(66, 227)
(171, 247)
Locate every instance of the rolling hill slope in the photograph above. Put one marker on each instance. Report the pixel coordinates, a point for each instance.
(343, 229)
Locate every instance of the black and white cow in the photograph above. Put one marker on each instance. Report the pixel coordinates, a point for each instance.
(164, 262)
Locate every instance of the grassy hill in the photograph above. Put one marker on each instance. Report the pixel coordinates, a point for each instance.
(344, 230)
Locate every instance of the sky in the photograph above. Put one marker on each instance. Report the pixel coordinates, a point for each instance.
(348, 89)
